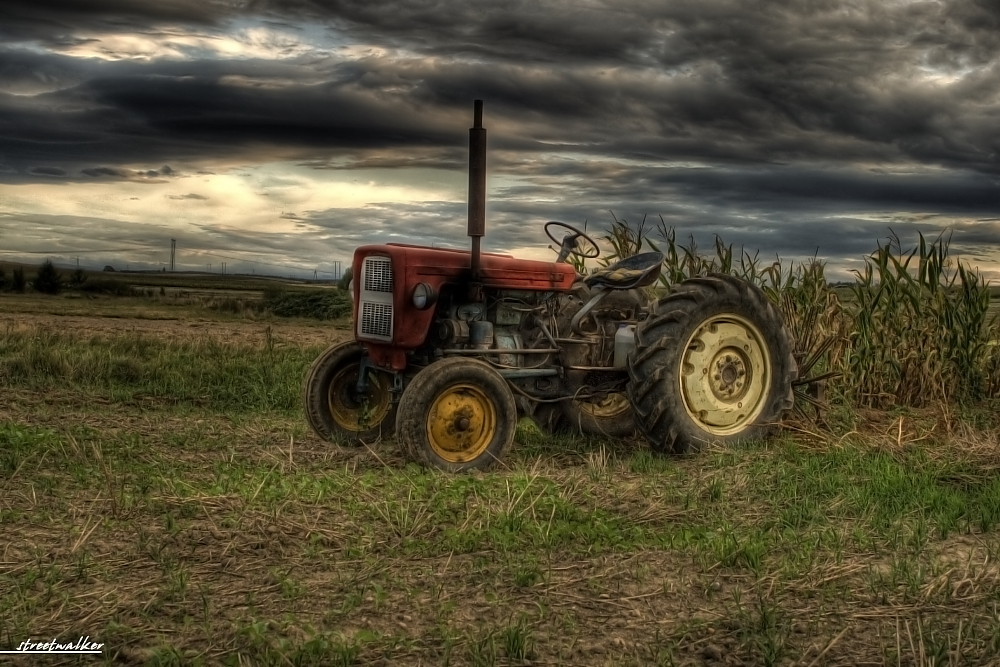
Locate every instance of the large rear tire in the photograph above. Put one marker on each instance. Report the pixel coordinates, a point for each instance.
(712, 364)
(335, 409)
(457, 415)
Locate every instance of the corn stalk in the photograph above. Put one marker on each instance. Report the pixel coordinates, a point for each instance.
(920, 331)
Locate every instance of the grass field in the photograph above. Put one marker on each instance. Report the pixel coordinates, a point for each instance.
(160, 493)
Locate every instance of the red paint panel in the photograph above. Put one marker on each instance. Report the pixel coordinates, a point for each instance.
(439, 267)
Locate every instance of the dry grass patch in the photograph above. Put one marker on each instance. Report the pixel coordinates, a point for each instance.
(204, 524)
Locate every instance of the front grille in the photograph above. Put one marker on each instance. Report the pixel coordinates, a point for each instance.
(377, 274)
(375, 313)
(376, 320)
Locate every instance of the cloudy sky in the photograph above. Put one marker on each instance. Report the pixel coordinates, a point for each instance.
(275, 136)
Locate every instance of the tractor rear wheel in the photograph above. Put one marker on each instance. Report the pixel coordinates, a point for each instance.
(334, 407)
(457, 415)
(712, 364)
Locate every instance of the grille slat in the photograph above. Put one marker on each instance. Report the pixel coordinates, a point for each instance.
(376, 314)
(376, 320)
(378, 274)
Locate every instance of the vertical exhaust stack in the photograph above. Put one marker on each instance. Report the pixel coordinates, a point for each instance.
(477, 186)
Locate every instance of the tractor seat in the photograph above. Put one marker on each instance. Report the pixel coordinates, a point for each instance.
(631, 272)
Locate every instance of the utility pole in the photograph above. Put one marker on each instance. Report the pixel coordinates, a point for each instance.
(173, 251)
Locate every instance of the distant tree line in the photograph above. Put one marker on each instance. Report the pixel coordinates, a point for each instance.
(48, 279)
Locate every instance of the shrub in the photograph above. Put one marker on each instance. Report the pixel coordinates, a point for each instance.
(320, 305)
(18, 282)
(48, 280)
(345, 280)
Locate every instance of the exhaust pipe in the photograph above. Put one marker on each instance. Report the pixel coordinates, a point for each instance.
(477, 186)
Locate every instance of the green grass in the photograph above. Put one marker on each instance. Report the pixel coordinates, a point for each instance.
(140, 369)
(183, 534)
(165, 496)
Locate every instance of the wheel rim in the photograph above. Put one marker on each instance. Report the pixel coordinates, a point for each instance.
(461, 424)
(725, 374)
(354, 411)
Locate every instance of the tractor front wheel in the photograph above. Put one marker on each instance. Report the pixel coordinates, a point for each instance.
(335, 409)
(712, 364)
(457, 415)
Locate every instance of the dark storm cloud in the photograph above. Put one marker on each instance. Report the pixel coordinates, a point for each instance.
(788, 125)
(59, 22)
(47, 171)
(554, 32)
(748, 81)
(119, 174)
(687, 81)
(131, 112)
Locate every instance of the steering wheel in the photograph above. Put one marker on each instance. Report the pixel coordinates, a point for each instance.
(568, 245)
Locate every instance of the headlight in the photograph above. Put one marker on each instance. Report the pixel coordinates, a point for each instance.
(424, 296)
(350, 289)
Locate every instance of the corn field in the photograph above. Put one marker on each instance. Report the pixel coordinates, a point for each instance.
(913, 329)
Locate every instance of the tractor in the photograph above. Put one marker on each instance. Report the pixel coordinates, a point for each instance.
(452, 347)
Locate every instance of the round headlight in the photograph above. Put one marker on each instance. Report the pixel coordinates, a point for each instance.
(424, 296)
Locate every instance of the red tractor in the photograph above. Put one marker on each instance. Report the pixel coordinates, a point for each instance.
(452, 346)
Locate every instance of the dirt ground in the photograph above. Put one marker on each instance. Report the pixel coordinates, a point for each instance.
(200, 563)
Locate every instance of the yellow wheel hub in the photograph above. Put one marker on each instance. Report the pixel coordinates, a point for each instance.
(354, 411)
(462, 423)
(725, 374)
